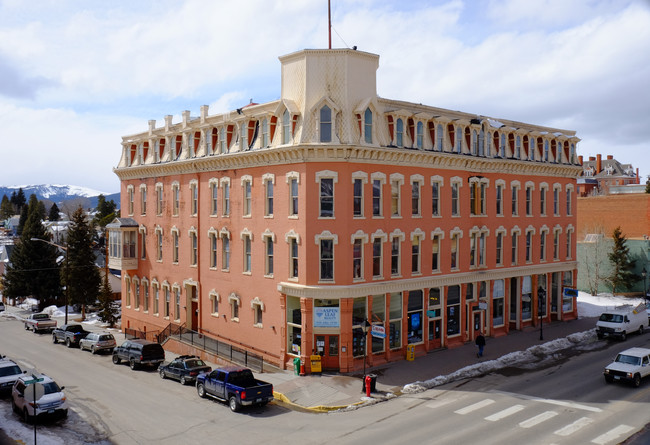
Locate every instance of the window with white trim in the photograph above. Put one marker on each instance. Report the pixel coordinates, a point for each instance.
(542, 244)
(174, 245)
(453, 255)
(225, 196)
(143, 199)
(569, 193)
(326, 180)
(145, 295)
(159, 244)
(377, 257)
(194, 197)
(156, 297)
(499, 248)
(529, 200)
(416, 190)
(159, 199)
(529, 246)
(556, 199)
(246, 246)
(293, 257)
(143, 242)
(569, 243)
(325, 124)
(175, 198)
(167, 300)
(416, 256)
(499, 197)
(136, 285)
(213, 248)
(247, 186)
(515, 198)
(556, 244)
(326, 249)
(177, 302)
(129, 192)
(395, 195)
(435, 252)
(269, 181)
(367, 125)
(357, 258)
(435, 197)
(514, 237)
(214, 196)
(258, 309)
(214, 303)
(543, 189)
(286, 127)
(269, 239)
(455, 196)
(358, 180)
(194, 248)
(378, 180)
(225, 251)
(396, 239)
(293, 179)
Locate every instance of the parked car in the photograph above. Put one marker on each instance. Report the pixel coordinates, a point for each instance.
(9, 373)
(235, 385)
(139, 353)
(630, 365)
(70, 334)
(40, 322)
(98, 341)
(621, 322)
(37, 395)
(2, 306)
(184, 368)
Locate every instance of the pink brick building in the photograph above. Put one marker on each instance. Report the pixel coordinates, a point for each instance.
(284, 227)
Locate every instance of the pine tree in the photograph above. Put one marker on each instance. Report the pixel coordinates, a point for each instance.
(18, 200)
(80, 275)
(54, 213)
(623, 275)
(107, 309)
(33, 268)
(105, 211)
(23, 219)
(6, 209)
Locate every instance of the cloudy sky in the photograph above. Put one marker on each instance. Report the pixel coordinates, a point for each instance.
(77, 75)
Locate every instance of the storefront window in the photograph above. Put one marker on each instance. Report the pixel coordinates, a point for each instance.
(453, 310)
(294, 329)
(377, 318)
(434, 313)
(526, 298)
(359, 315)
(514, 294)
(326, 314)
(567, 281)
(469, 293)
(395, 327)
(415, 317)
(498, 296)
(541, 294)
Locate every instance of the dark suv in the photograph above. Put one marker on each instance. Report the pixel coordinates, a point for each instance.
(138, 353)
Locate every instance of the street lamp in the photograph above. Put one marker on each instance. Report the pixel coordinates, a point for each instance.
(67, 284)
(541, 295)
(364, 327)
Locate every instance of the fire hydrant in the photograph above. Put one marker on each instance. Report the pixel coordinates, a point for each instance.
(368, 382)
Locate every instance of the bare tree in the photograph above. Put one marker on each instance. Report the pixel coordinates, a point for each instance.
(593, 261)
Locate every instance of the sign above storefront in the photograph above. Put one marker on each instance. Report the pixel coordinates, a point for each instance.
(378, 331)
(326, 317)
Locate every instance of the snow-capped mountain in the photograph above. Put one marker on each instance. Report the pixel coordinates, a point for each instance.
(59, 193)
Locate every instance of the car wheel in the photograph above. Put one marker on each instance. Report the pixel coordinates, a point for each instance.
(13, 406)
(234, 405)
(116, 359)
(200, 389)
(68, 343)
(640, 330)
(183, 381)
(65, 414)
(637, 380)
(623, 336)
(54, 339)
(92, 350)
(26, 417)
(600, 336)
(609, 379)
(34, 329)
(26, 328)
(162, 374)
(132, 364)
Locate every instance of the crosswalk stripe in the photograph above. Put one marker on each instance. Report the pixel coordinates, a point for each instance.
(475, 406)
(612, 434)
(573, 427)
(505, 413)
(538, 419)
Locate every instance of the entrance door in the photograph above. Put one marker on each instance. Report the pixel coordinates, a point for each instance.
(327, 346)
(477, 326)
(195, 316)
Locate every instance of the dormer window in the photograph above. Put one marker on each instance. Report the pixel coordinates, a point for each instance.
(399, 133)
(325, 124)
(122, 244)
(367, 125)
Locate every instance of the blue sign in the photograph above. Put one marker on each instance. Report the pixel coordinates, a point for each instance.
(570, 293)
(326, 317)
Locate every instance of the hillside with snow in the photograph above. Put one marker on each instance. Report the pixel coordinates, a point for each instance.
(60, 193)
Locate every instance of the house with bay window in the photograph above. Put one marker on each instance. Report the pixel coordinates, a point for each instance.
(336, 222)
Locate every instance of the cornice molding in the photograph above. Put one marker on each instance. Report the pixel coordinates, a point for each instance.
(346, 153)
(362, 290)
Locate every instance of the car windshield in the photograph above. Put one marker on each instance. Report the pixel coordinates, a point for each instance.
(51, 388)
(628, 359)
(9, 370)
(194, 363)
(612, 318)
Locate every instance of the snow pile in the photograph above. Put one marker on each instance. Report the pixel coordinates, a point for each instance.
(594, 305)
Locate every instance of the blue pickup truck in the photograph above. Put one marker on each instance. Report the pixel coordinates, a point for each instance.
(235, 385)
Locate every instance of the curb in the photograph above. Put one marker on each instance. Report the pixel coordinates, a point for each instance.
(316, 409)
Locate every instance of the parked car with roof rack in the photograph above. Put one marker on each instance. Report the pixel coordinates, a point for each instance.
(9, 373)
(36, 395)
(138, 352)
(98, 341)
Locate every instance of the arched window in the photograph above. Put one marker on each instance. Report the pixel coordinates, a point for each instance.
(286, 127)
(214, 140)
(481, 143)
(325, 124)
(265, 133)
(474, 143)
(518, 147)
(439, 137)
(367, 125)
(419, 135)
(222, 140)
(399, 134)
(459, 137)
(179, 146)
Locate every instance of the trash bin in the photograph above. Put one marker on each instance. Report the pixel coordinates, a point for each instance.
(373, 382)
(296, 365)
(410, 353)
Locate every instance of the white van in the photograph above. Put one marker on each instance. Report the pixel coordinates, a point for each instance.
(620, 322)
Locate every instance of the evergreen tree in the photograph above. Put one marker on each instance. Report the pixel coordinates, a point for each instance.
(18, 200)
(6, 209)
(54, 213)
(107, 308)
(647, 185)
(80, 275)
(40, 208)
(623, 275)
(22, 221)
(105, 211)
(12, 200)
(33, 268)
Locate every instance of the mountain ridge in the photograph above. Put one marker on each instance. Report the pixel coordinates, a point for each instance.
(61, 194)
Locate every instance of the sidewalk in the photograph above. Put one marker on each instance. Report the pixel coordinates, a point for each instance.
(334, 391)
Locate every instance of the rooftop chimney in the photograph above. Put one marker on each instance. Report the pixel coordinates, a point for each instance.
(580, 159)
(610, 157)
(599, 163)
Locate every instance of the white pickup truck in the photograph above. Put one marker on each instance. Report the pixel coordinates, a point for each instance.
(40, 322)
(630, 365)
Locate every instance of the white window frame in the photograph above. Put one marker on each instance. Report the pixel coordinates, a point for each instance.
(334, 176)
